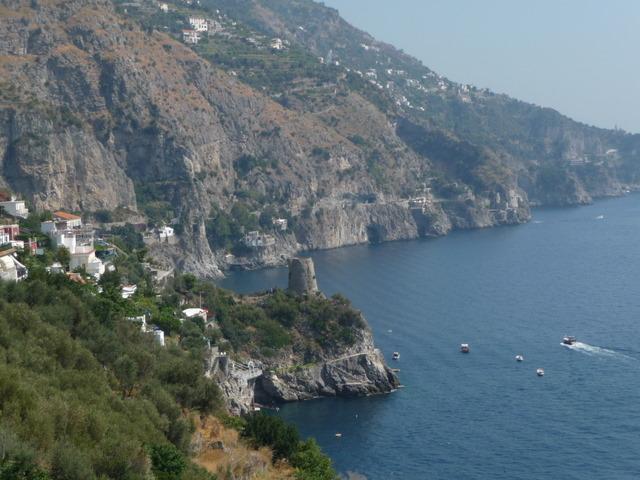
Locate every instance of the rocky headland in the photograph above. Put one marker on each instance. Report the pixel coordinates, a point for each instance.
(331, 352)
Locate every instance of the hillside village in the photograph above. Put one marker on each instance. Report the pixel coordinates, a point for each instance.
(62, 244)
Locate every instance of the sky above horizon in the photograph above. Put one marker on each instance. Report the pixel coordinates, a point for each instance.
(577, 56)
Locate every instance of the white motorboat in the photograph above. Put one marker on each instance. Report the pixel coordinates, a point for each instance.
(396, 356)
(519, 358)
(464, 348)
(540, 372)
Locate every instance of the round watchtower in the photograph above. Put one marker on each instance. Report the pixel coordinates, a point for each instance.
(302, 276)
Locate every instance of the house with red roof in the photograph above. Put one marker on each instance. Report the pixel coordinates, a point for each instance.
(71, 220)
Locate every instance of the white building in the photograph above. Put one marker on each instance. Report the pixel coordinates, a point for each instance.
(128, 291)
(11, 270)
(56, 267)
(4, 238)
(71, 220)
(15, 208)
(199, 24)
(65, 239)
(159, 336)
(255, 239)
(277, 44)
(280, 223)
(191, 37)
(417, 202)
(165, 232)
(85, 257)
(164, 7)
(193, 313)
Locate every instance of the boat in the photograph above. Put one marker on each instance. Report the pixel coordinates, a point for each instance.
(569, 340)
(396, 356)
(540, 372)
(338, 435)
(464, 347)
(519, 358)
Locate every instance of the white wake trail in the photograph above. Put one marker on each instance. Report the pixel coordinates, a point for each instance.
(597, 351)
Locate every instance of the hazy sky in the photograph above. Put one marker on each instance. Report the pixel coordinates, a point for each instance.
(580, 57)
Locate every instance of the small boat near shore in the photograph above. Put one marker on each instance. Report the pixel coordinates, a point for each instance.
(396, 356)
(464, 348)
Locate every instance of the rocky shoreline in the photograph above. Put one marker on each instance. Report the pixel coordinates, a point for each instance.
(388, 223)
(299, 373)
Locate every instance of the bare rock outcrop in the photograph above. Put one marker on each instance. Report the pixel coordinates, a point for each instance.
(360, 371)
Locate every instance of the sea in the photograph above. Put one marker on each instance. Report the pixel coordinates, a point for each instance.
(505, 291)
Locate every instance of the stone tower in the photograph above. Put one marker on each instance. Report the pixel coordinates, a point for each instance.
(302, 276)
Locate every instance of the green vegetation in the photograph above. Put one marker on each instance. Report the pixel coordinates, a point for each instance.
(279, 319)
(156, 201)
(246, 164)
(226, 229)
(83, 392)
(264, 430)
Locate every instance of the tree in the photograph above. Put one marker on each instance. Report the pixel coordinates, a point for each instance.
(266, 218)
(167, 321)
(126, 371)
(63, 256)
(312, 463)
(272, 432)
(167, 461)
(68, 463)
(21, 468)
(110, 280)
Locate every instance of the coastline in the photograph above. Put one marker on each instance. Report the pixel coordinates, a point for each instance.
(280, 261)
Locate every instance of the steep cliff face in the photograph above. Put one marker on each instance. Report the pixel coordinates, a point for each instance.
(297, 375)
(97, 112)
(525, 137)
(357, 371)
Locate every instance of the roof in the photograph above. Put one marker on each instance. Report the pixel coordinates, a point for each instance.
(76, 277)
(8, 251)
(66, 216)
(193, 312)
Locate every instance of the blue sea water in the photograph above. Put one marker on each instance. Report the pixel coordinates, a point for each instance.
(505, 291)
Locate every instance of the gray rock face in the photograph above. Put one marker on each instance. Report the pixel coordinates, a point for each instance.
(302, 276)
(356, 371)
(354, 375)
(97, 113)
(296, 374)
(239, 395)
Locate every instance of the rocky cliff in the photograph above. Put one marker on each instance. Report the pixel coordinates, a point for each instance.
(326, 347)
(357, 371)
(101, 106)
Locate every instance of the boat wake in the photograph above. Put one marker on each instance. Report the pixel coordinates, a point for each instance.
(592, 350)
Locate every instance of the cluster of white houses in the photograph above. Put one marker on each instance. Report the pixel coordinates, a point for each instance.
(199, 26)
(201, 314)
(14, 207)
(10, 268)
(66, 230)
